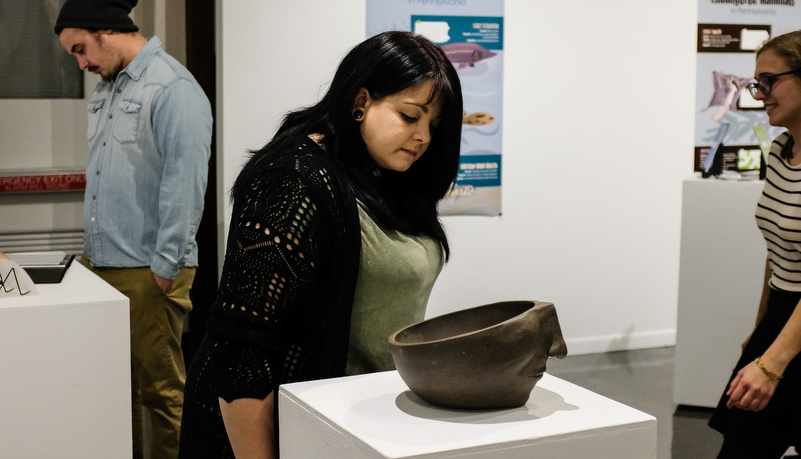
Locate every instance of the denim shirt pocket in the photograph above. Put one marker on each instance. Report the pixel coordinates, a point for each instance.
(93, 110)
(126, 127)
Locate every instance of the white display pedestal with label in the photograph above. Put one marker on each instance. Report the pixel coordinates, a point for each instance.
(65, 371)
(377, 416)
(721, 271)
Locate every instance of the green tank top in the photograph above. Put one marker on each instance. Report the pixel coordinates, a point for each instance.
(396, 276)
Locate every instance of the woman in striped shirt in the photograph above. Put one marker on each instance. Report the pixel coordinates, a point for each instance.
(760, 412)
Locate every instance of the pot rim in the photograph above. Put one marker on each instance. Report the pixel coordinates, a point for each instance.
(394, 342)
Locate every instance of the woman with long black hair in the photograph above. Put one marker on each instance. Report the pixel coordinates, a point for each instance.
(335, 242)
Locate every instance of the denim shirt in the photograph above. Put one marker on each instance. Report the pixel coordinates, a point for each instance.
(149, 145)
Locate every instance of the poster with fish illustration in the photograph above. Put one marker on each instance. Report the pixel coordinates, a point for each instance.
(471, 34)
(731, 127)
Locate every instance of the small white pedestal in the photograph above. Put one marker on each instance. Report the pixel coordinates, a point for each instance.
(721, 271)
(377, 416)
(65, 371)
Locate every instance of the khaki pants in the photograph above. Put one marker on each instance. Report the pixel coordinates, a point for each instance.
(157, 363)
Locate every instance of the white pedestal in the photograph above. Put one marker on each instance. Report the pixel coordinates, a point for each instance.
(720, 281)
(65, 372)
(377, 416)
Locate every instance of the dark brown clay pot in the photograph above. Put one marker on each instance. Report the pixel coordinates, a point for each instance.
(487, 357)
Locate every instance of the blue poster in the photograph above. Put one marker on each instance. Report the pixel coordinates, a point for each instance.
(471, 34)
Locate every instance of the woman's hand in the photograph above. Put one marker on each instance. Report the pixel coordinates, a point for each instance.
(751, 389)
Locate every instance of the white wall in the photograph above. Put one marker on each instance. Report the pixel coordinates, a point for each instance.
(43, 134)
(597, 140)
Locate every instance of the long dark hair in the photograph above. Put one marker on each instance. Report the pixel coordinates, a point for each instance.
(386, 64)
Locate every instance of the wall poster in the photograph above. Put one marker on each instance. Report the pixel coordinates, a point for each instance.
(730, 125)
(471, 34)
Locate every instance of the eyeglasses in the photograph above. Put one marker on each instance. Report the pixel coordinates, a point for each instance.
(765, 83)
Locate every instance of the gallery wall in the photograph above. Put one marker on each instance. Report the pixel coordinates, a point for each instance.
(598, 130)
(598, 136)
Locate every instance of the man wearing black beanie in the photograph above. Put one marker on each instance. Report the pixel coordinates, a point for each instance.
(149, 139)
(97, 15)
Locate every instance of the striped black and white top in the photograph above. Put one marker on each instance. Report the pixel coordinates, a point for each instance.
(778, 216)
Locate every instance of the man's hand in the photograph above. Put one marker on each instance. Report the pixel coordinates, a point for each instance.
(164, 284)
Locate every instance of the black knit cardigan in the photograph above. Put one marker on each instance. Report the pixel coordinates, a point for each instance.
(283, 305)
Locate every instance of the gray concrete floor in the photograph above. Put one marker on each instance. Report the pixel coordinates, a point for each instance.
(643, 379)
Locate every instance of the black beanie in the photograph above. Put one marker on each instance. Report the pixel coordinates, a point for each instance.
(96, 15)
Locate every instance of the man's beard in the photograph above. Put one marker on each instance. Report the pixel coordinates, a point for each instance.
(107, 77)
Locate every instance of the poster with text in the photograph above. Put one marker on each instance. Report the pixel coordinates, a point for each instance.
(471, 34)
(730, 125)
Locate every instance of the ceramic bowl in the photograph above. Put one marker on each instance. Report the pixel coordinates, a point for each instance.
(486, 357)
